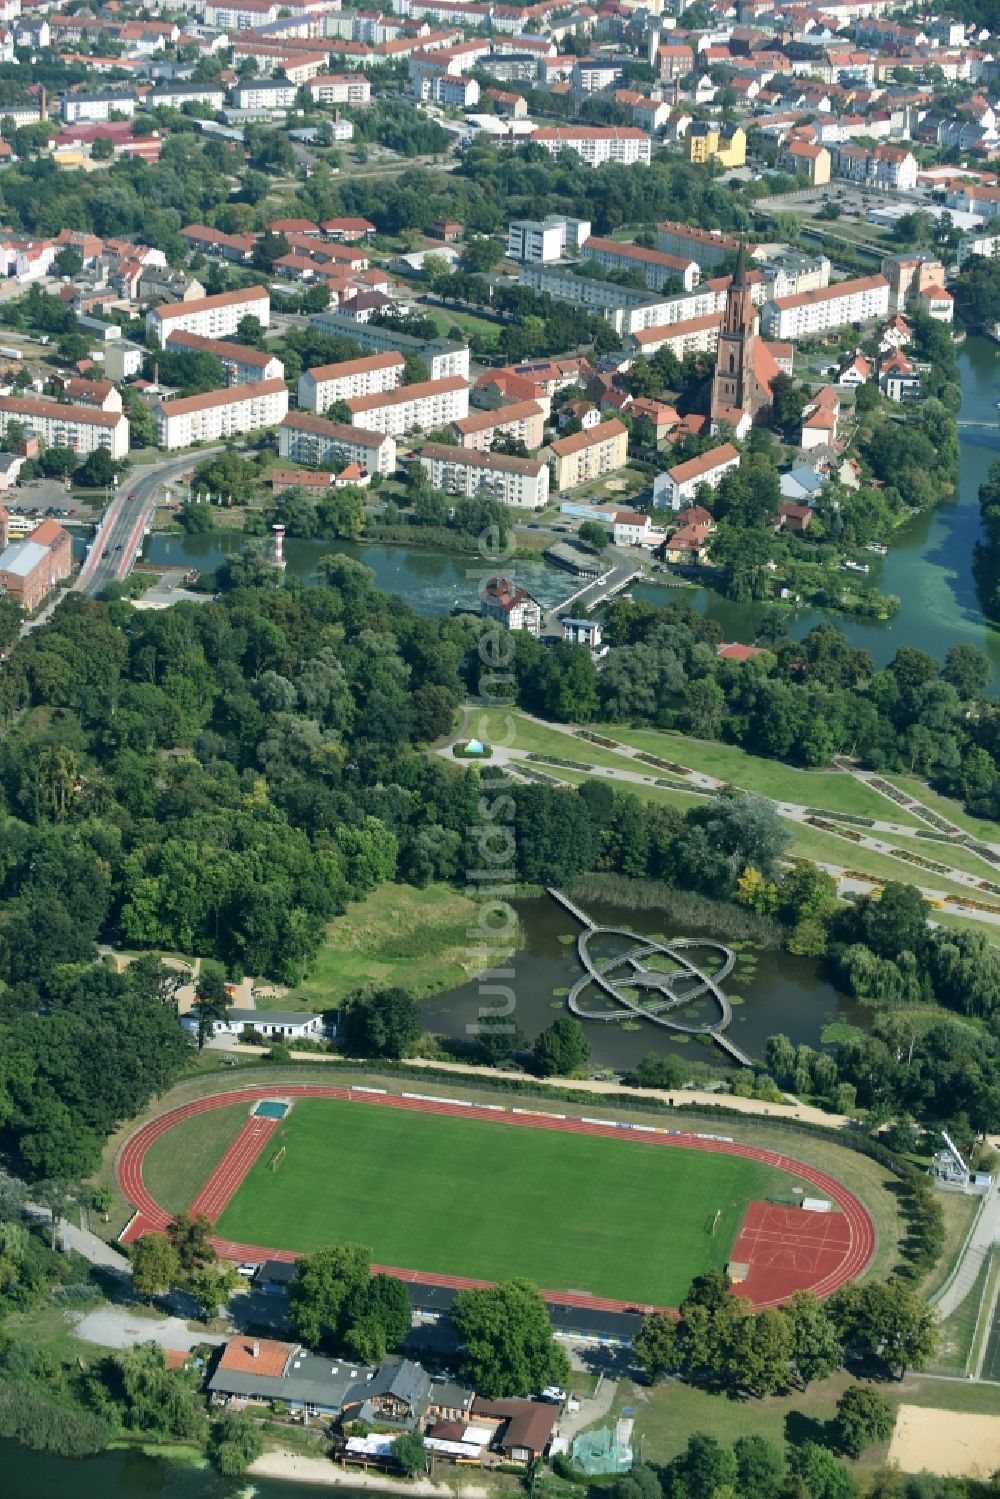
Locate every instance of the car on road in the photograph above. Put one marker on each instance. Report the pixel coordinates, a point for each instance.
(132, 495)
(106, 552)
(118, 547)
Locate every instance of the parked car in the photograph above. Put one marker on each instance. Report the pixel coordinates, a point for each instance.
(554, 1394)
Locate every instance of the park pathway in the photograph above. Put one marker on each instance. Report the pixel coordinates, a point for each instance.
(985, 1237)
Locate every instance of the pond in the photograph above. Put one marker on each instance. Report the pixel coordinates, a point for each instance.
(771, 992)
(430, 582)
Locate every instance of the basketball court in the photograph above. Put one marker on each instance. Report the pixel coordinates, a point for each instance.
(788, 1249)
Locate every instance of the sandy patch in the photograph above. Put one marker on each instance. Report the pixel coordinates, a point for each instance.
(945, 1442)
(291, 1467)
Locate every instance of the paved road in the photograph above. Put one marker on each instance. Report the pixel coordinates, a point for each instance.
(84, 1242)
(119, 537)
(618, 568)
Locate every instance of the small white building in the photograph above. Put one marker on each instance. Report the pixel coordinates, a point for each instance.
(277, 1025)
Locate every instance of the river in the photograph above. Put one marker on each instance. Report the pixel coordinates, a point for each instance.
(930, 563)
(131, 1474)
(929, 566)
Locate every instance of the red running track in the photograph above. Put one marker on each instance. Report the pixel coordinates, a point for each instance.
(233, 1167)
(765, 1286)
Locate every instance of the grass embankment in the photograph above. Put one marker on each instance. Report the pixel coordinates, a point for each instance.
(448, 317)
(398, 935)
(178, 1164)
(959, 1330)
(833, 790)
(945, 807)
(411, 1187)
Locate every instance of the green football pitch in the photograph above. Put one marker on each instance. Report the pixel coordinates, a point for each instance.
(610, 1217)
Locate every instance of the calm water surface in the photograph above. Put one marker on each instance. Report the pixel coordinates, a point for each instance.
(930, 564)
(777, 993)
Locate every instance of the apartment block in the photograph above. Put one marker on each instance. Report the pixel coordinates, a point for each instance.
(86, 109)
(264, 93)
(221, 413)
(326, 383)
(305, 438)
(521, 420)
(909, 275)
(80, 428)
(425, 405)
(213, 317)
(541, 241)
(442, 355)
(590, 454)
(340, 88)
(708, 247)
(814, 312)
(520, 482)
(684, 479)
(242, 364)
(595, 144)
(659, 268)
(698, 335)
(626, 308)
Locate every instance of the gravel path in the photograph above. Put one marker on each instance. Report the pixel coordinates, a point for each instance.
(123, 1327)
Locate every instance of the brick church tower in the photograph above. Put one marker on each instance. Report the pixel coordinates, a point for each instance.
(735, 389)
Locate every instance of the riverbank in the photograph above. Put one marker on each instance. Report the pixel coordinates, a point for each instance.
(292, 1467)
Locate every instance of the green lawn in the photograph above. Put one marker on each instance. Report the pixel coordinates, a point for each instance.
(448, 317)
(469, 1197)
(827, 848)
(836, 791)
(178, 1164)
(945, 807)
(505, 726)
(667, 1414)
(398, 935)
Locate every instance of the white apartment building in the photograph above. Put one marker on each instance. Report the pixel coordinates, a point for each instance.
(221, 413)
(264, 93)
(708, 247)
(443, 355)
(522, 420)
(657, 266)
(626, 308)
(427, 404)
(340, 88)
(625, 145)
(80, 428)
(590, 454)
(541, 241)
(520, 482)
(85, 109)
(311, 439)
(326, 383)
(212, 317)
(814, 312)
(984, 242)
(684, 479)
(240, 15)
(698, 335)
(242, 364)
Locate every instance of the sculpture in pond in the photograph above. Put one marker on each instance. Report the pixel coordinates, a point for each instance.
(643, 992)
